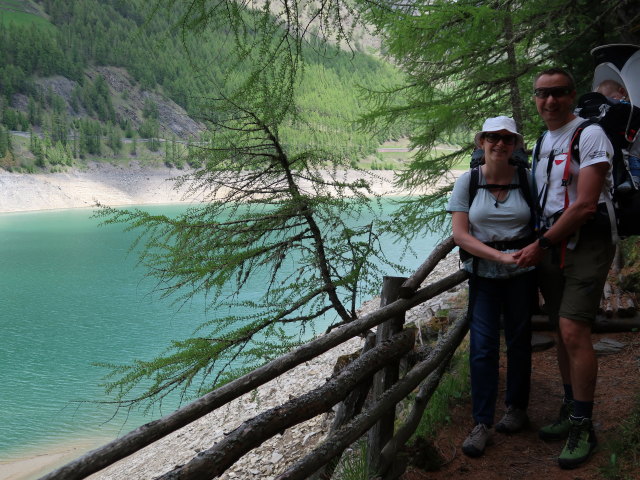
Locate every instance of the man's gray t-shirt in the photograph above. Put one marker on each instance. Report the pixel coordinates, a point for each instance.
(492, 221)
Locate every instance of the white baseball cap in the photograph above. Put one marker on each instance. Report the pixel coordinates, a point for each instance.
(495, 124)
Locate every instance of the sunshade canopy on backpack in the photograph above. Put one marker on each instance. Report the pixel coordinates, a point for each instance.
(620, 63)
(631, 76)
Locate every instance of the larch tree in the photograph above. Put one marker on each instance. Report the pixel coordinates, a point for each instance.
(282, 217)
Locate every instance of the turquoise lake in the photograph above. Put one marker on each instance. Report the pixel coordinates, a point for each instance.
(71, 296)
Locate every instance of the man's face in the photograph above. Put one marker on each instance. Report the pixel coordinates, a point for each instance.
(554, 100)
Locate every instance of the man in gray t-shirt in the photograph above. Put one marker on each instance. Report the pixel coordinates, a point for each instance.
(573, 255)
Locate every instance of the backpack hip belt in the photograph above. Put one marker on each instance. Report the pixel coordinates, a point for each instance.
(516, 244)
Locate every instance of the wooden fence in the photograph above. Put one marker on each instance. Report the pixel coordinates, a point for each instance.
(376, 368)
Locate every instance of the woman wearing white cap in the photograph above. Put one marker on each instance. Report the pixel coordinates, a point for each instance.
(497, 223)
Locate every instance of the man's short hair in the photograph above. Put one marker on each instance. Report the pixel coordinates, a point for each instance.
(556, 71)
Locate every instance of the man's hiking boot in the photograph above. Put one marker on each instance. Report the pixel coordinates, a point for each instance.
(560, 428)
(480, 437)
(580, 444)
(513, 420)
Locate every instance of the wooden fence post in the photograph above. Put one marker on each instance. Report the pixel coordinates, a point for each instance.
(384, 379)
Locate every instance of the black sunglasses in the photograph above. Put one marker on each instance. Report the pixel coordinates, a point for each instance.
(507, 139)
(555, 92)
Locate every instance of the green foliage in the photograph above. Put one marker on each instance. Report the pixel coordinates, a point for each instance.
(150, 109)
(59, 128)
(124, 34)
(4, 141)
(96, 99)
(468, 60)
(185, 65)
(624, 448)
(90, 137)
(28, 49)
(271, 203)
(14, 119)
(35, 147)
(149, 129)
(57, 154)
(353, 464)
(114, 140)
(34, 112)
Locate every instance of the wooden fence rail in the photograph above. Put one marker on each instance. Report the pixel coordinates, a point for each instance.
(147, 434)
(335, 443)
(214, 461)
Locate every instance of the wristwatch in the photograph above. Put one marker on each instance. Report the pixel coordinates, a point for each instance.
(544, 243)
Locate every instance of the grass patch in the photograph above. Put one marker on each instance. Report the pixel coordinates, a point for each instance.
(353, 463)
(463, 164)
(624, 448)
(454, 387)
(16, 12)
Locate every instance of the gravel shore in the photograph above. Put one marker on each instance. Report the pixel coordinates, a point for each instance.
(118, 186)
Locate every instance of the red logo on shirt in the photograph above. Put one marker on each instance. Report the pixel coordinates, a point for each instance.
(558, 162)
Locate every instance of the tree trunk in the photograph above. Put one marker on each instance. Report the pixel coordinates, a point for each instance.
(514, 90)
(388, 467)
(347, 410)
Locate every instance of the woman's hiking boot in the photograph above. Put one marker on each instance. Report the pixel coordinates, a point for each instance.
(514, 420)
(478, 439)
(580, 444)
(560, 428)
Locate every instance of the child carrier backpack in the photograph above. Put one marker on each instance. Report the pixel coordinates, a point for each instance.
(521, 161)
(621, 122)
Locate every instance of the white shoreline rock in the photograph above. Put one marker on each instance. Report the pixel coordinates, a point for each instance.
(119, 186)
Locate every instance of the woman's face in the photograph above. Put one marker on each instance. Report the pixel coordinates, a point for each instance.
(498, 145)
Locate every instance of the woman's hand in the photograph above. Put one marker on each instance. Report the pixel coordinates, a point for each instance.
(507, 258)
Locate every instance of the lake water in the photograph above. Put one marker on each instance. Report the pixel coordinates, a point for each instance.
(71, 296)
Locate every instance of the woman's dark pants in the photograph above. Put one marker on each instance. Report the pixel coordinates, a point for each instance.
(489, 298)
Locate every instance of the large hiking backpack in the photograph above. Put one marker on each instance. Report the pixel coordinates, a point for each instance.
(621, 122)
(521, 161)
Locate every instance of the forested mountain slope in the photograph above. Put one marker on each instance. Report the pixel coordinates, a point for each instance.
(84, 74)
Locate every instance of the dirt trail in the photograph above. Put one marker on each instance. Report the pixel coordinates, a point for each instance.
(524, 456)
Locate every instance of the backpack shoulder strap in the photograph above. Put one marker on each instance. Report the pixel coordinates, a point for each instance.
(523, 181)
(574, 144)
(474, 180)
(536, 152)
(525, 188)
